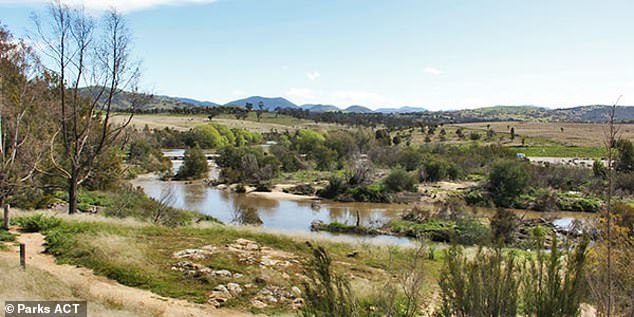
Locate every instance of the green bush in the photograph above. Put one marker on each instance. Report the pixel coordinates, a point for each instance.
(194, 166)
(371, 193)
(399, 180)
(6, 236)
(336, 186)
(37, 222)
(507, 180)
(470, 231)
(325, 292)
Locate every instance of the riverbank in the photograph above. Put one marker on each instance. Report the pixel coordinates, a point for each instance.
(214, 266)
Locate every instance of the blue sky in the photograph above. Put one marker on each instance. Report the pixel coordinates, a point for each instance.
(435, 54)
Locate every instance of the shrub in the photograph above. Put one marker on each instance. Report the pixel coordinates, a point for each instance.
(37, 223)
(470, 231)
(503, 225)
(325, 292)
(474, 136)
(399, 180)
(336, 186)
(194, 165)
(437, 169)
(485, 285)
(6, 236)
(507, 180)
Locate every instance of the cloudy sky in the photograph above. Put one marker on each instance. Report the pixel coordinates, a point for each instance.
(378, 53)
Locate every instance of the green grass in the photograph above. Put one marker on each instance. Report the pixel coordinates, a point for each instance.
(561, 151)
(141, 256)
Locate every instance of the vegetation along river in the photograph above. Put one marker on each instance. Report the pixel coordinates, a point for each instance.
(293, 216)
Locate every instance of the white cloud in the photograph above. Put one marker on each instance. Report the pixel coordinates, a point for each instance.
(121, 5)
(359, 97)
(301, 93)
(432, 70)
(313, 75)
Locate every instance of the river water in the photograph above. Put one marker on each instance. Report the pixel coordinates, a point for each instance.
(294, 216)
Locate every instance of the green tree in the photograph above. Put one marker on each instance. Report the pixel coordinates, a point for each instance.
(399, 180)
(194, 165)
(625, 158)
(507, 180)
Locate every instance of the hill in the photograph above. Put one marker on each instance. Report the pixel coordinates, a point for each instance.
(401, 110)
(193, 101)
(269, 103)
(358, 109)
(319, 108)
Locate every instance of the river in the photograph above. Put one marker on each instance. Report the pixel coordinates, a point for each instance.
(294, 216)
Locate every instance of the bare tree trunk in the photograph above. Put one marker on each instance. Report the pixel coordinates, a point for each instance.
(72, 193)
(610, 143)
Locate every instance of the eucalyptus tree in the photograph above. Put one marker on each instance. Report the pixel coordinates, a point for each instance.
(23, 123)
(92, 64)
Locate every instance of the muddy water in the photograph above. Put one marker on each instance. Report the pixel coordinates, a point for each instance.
(276, 214)
(295, 216)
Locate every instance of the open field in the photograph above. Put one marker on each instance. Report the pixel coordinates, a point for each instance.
(574, 134)
(185, 122)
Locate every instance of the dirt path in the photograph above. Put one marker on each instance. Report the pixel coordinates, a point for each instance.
(108, 292)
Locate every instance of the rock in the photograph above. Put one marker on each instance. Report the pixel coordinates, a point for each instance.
(296, 291)
(252, 247)
(237, 275)
(234, 289)
(222, 273)
(222, 289)
(270, 299)
(353, 254)
(258, 304)
(260, 280)
(297, 303)
(244, 242)
(194, 254)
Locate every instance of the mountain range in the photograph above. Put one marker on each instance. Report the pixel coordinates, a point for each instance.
(589, 113)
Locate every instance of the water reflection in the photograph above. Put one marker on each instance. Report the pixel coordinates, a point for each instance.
(296, 216)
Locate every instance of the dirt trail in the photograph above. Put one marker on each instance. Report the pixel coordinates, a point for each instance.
(108, 292)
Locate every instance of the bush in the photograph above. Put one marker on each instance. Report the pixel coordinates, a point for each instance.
(474, 136)
(336, 186)
(263, 187)
(37, 223)
(6, 236)
(194, 166)
(399, 180)
(373, 193)
(470, 231)
(437, 169)
(507, 180)
(503, 225)
(485, 285)
(325, 292)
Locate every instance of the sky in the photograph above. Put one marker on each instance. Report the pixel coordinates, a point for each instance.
(437, 54)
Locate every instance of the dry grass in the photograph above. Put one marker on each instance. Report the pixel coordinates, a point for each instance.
(574, 134)
(36, 284)
(186, 122)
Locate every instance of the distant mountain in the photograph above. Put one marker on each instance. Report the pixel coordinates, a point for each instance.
(358, 109)
(269, 103)
(401, 110)
(193, 101)
(123, 100)
(319, 108)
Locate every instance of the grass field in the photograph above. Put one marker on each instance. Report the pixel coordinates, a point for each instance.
(561, 151)
(537, 133)
(143, 256)
(268, 122)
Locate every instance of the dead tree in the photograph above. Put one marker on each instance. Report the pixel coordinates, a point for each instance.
(91, 72)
